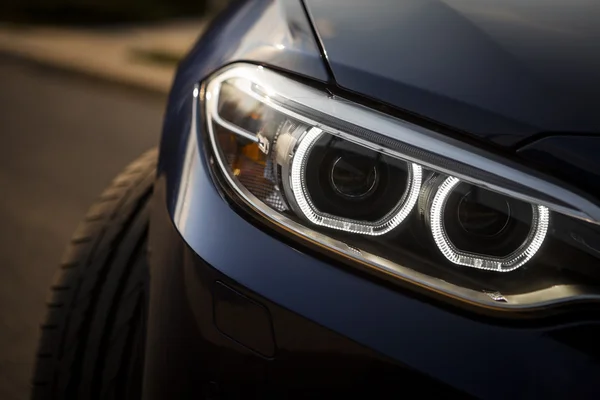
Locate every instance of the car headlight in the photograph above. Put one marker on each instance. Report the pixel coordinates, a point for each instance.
(399, 198)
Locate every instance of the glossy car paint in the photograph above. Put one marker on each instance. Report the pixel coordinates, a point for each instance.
(324, 315)
(571, 158)
(501, 70)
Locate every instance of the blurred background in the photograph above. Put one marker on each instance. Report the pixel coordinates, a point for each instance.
(84, 12)
(83, 85)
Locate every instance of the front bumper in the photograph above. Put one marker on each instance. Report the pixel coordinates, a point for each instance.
(235, 309)
(210, 336)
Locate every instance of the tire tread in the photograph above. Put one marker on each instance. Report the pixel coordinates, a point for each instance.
(78, 294)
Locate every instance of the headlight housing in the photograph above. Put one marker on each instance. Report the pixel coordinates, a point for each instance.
(399, 198)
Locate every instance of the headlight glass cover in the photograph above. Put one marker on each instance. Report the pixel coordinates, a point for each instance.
(399, 198)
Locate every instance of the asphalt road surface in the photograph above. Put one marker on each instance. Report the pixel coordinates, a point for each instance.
(62, 139)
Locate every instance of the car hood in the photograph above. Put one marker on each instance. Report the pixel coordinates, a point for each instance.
(501, 70)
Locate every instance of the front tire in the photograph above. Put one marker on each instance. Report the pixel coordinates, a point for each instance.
(92, 340)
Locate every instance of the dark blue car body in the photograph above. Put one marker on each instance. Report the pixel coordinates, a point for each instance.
(240, 309)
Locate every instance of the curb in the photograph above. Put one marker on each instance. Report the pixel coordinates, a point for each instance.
(85, 74)
(143, 57)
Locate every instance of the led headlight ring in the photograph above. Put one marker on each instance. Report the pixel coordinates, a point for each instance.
(535, 238)
(304, 204)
